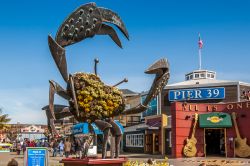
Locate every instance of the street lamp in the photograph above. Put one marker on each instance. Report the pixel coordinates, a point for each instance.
(18, 130)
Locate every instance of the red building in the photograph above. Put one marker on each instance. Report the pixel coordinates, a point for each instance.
(215, 123)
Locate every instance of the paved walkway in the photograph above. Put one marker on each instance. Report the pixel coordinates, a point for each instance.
(213, 161)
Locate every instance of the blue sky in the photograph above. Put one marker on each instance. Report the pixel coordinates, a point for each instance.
(159, 28)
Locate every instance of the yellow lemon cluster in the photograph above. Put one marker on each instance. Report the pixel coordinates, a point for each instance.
(95, 99)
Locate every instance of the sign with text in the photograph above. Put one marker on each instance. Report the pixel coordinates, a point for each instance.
(196, 94)
(36, 156)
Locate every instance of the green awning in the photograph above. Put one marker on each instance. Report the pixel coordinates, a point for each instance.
(215, 120)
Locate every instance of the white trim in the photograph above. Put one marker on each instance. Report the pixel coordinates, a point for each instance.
(238, 92)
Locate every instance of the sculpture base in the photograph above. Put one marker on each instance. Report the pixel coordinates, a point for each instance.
(94, 161)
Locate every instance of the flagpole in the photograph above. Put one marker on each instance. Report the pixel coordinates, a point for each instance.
(200, 45)
(199, 58)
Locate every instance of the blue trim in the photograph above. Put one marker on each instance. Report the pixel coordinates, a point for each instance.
(120, 125)
(82, 128)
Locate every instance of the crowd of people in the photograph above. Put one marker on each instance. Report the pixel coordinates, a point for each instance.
(57, 147)
(21, 146)
(66, 147)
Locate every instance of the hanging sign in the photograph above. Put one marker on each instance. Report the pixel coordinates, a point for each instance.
(196, 94)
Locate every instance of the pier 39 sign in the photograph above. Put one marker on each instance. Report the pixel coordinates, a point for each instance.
(196, 94)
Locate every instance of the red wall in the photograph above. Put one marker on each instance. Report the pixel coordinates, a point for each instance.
(182, 128)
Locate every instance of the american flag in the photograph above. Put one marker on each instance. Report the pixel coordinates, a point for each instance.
(200, 43)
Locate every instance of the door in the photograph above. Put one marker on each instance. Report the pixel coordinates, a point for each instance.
(215, 142)
(149, 143)
(168, 142)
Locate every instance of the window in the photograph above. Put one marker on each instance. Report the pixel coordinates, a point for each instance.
(196, 75)
(202, 75)
(209, 75)
(152, 107)
(135, 140)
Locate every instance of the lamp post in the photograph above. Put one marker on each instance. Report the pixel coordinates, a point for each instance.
(18, 131)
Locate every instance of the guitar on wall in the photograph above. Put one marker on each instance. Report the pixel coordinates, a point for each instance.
(189, 149)
(241, 147)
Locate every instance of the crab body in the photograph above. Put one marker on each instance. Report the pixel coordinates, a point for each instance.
(95, 100)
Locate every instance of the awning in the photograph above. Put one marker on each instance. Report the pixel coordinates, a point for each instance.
(82, 128)
(215, 120)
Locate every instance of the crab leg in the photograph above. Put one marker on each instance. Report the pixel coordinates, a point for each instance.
(55, 88)
(74, 94)
(161, 69)
(61, 111)
(105, 128)
(117, 133)
(58, 54)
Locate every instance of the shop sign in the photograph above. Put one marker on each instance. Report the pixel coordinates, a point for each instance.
(214, 119)
(196, 94)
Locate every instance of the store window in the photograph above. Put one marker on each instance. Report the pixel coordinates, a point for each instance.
(135, 140)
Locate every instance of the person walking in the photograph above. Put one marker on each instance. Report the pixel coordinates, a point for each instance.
(78, 148)
(73, 147)
(24, 147)
(18, 148)
(67, 148)
(61, 148)
(55, 148)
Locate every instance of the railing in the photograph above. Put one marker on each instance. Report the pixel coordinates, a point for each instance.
(133, 120)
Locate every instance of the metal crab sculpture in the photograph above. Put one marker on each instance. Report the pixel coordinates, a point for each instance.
(90, 100)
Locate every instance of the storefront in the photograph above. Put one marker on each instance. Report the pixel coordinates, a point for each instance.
(200, 129)
(147, 137)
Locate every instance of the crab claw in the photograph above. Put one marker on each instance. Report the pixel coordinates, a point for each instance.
(112, 17)
(87, 21)
(161, 70)
(159, 67)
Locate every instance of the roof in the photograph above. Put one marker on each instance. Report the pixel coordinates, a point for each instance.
(127, 92)
(134, 127)
(203, 82)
